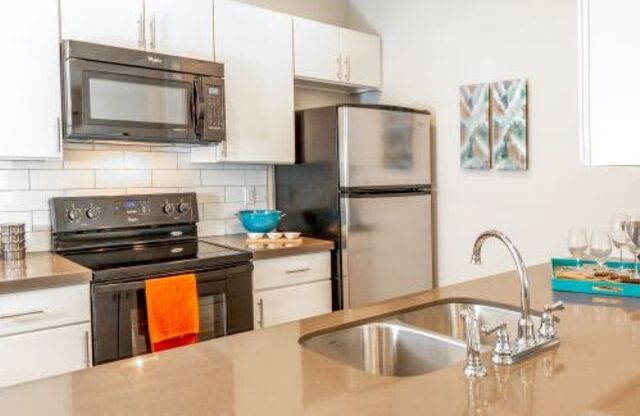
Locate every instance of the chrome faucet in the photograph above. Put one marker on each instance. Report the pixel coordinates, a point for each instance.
(526, 332)
(527, 343)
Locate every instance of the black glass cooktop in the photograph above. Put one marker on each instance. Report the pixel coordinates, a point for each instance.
(149, 260)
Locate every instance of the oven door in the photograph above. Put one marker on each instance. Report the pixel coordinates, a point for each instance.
(123, 103)
(119, 313)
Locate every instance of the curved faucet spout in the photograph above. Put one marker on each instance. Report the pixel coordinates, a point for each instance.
(526, 334)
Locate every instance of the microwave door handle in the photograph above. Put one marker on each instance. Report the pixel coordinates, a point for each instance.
(194, 107)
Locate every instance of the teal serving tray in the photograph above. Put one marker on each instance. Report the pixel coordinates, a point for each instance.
(593, 287)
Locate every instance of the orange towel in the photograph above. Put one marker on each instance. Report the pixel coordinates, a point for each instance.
(172, 311)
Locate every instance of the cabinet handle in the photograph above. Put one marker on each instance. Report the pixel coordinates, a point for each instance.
(347, 63)
(87, 348)
(141, 35)
(261, 313)
(339, 59)
(59, 133)
(152, 32)
(293, 271)
(20, 314)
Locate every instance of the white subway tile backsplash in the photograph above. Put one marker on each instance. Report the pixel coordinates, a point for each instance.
(261, 193)
(221, 211)
(93, 159)
(256, 177)
(147, 191)
(94, 192)
(212, 227)
(62, 179)
(207, 193)
(102, 169)
(23, 216)
(38, 241)
(123, 178)
(14, 179)
(222, 177)
(26, 200)
(41, 221)
(235, 227)
(234, 194)
(150, 160)
(178, 178)
(31, 164)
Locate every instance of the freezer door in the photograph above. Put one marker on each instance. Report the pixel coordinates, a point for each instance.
(383, 147)
(386, 246)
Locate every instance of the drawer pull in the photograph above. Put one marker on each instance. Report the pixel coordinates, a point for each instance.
(19, 314)
(293, 271)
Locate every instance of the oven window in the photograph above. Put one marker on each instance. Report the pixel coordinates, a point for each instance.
(213, 320)
(138, 100)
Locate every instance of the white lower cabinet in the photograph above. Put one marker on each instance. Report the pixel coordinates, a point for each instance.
(290, 288)
(45, 353)
(44, 332)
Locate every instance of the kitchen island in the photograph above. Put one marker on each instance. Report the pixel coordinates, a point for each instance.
(594, 370)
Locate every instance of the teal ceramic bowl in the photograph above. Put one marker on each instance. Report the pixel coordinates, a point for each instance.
(260, 220)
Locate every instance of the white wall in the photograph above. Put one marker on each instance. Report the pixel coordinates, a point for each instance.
(430, 48)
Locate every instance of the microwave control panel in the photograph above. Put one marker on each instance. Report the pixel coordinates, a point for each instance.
(214, 104)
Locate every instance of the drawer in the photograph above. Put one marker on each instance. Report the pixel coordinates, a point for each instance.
(44, 353)
(291, 270)
(278, 306)
(46, 308)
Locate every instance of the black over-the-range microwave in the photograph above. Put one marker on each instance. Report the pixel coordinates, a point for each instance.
(125, 95)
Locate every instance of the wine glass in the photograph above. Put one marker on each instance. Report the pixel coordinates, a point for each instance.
(600, 247)
(619, 236)
(632, 227)
(577, 243)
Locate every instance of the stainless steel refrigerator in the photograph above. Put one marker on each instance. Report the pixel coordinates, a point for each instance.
(362, 178)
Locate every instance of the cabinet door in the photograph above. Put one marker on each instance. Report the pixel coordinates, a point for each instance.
(317, 51)
(277, 306)
(361, 54)
(30, 99)
(255, 46)
(610, 88)
(46, 353)
(114, 22)
(182, 29)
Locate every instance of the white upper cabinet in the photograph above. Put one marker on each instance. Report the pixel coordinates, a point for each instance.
(361, 54)
(335, 55)
(255, 46)
(182, 28)
(317, 50)
(610, 104)
(30, 100)
(114, 22)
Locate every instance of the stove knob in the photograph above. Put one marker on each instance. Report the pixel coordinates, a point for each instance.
(169, 208)
(74, 214)
(184, 207)
(93, 213)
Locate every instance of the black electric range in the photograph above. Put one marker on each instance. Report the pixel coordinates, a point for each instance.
(126, 240)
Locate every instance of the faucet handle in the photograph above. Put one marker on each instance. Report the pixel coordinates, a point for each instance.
(473, 366)
(501, 353)
(547, 324)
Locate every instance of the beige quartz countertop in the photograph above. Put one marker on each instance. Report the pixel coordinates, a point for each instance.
(267, 251)
(594, 371)
(41, 270)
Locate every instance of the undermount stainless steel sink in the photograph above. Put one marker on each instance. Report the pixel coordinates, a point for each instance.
(444, 318)
(412, 342)
(388, 349)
